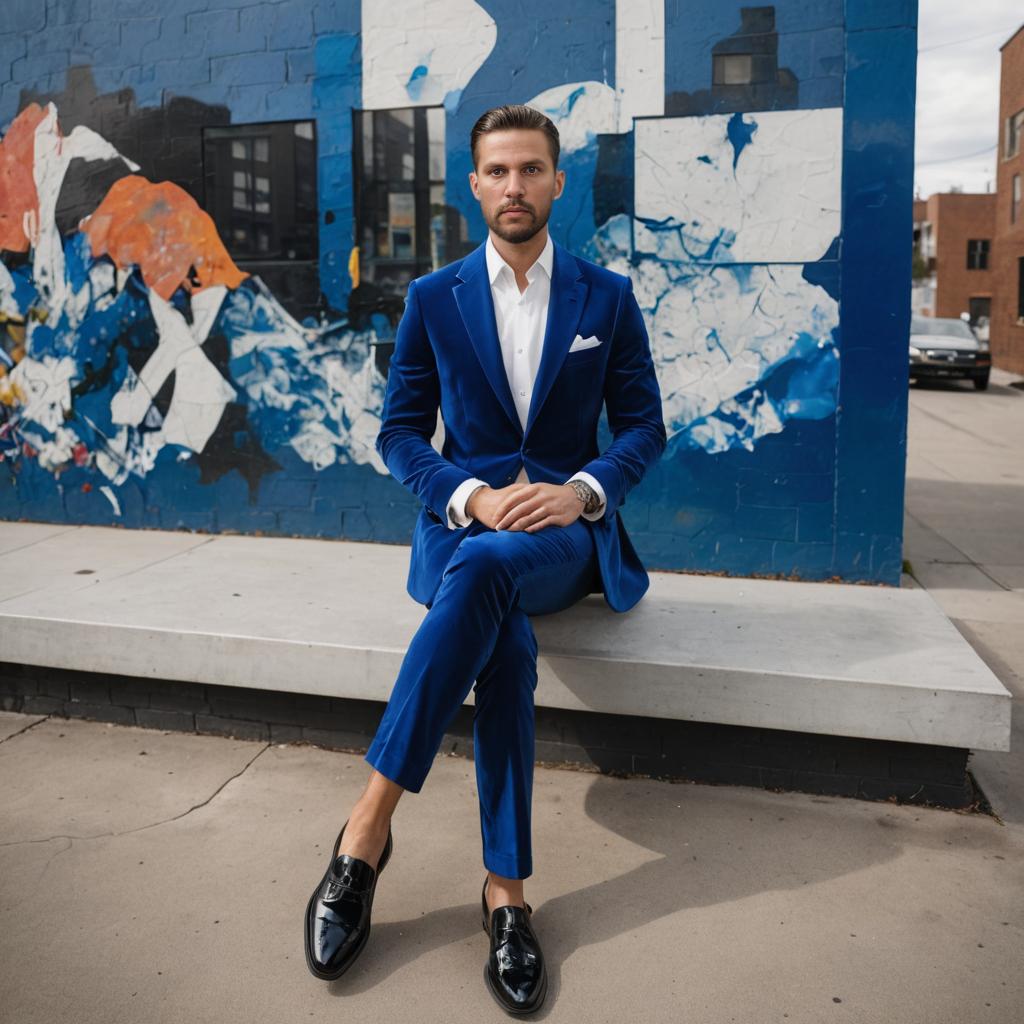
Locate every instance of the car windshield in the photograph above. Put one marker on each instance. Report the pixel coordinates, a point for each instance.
(943, 326)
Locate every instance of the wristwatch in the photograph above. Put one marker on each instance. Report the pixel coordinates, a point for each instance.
(586, 494)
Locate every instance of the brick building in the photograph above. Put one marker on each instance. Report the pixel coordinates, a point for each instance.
(953, 232)
(1007, 336)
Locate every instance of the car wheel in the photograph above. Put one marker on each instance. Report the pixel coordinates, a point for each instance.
(981, 383)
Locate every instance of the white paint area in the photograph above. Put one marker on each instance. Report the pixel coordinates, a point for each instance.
(639, 60)
(108, 493)
(8, 307)
(781, 201)
(416, 52)
(51, 157)
(715, 330)
(328, 385)
(200, 390)
(45, 387)
(579, 110)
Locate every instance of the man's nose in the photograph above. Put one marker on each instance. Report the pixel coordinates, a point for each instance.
(514, 185)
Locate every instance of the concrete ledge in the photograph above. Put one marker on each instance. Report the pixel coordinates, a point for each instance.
(332, 618)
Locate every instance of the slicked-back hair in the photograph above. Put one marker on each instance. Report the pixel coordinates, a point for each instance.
(513, 116)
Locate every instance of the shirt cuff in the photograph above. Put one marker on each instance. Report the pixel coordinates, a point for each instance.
(599, 490)
(457, 502)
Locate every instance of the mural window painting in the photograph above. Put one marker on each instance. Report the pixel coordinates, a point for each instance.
(401, 229)
(1015, 199)
(977, 254)
(733, 69)
(260, 189)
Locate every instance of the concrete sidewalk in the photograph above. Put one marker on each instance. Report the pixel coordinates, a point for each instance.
(963, 537)
(150, 877)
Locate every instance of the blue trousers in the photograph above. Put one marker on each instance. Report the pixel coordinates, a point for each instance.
(478, 630)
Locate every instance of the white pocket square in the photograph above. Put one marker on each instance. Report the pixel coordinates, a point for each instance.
(580, 342)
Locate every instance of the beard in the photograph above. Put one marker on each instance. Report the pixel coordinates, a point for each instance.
(519, 232)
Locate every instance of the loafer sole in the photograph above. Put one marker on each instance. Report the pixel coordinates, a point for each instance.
(535, 1005)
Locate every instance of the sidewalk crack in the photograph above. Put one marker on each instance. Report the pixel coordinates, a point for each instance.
(31, 725)
(152, 824)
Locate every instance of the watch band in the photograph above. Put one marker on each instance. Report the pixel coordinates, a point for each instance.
(586, 494)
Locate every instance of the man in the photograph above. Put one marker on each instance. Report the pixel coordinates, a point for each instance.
(519, 344)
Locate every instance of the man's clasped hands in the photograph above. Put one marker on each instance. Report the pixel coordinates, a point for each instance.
(523, 506)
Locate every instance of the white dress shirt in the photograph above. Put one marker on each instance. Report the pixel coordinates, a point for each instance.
(521, 318)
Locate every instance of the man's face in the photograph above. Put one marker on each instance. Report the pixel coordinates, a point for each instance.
(516, 182)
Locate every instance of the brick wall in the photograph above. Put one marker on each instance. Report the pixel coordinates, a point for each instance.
(1007, 335)
(956, 218)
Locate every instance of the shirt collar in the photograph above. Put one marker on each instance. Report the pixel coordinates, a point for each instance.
(496, 265)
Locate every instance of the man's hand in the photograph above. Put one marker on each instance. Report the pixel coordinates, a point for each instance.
(528, 507)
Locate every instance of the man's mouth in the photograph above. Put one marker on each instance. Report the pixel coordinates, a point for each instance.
(515, 209)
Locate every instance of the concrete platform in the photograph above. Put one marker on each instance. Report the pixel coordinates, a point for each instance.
(333, 618)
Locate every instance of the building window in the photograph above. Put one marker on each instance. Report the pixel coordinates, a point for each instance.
(732, 69)
(1014, 199)
(977, 254)
(1020, 289)
(402, 223)
(1014, 130)
(260, 189)
(979, 308)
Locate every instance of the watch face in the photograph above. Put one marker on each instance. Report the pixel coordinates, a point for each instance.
(587, 495)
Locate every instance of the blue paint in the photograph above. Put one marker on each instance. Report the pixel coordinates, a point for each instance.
(414, 87)
(704, 158)
(739, 133)
(573, 97)
(878, 151)
(337, 90)
(810, 44)
(538, 47)
(832, 482)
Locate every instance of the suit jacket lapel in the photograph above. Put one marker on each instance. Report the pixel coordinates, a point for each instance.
(565, 306)
(476, 306)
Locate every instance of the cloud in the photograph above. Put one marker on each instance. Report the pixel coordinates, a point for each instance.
(958, 92)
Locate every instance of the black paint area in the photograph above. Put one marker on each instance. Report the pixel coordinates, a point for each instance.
(770, 87)
(613, 177)
(167, 144)
(233, 445)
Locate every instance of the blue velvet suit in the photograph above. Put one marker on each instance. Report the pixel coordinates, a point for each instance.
(480, 585)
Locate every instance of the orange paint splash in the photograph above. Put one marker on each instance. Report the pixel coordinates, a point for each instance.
(17, 187)
(161, 229)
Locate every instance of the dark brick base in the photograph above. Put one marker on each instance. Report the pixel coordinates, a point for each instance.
(613, 744)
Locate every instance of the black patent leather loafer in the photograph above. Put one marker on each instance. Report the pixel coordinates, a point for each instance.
(338, 912)
(515, 973)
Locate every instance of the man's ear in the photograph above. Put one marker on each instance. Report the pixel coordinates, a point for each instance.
(472, 184)
(559, 183)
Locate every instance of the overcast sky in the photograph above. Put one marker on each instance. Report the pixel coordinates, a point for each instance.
(958, 91)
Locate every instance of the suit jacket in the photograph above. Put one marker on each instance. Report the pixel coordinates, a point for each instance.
(447, 354)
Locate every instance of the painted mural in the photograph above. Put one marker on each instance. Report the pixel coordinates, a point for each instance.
(148, 377)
